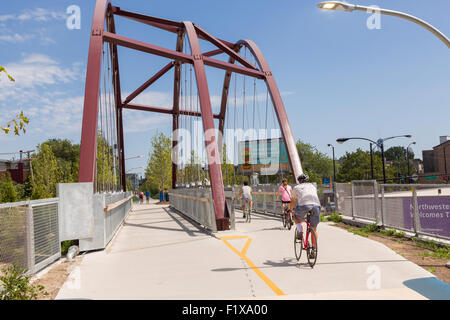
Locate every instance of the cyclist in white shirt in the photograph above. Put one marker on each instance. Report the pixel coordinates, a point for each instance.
(246, 195)
(304, 199)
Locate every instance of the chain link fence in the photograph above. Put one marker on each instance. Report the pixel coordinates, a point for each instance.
(29, 234)
(422, 209)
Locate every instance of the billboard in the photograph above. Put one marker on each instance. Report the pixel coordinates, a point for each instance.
(265, 157)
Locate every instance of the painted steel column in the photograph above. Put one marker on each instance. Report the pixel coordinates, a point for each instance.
(176, 109)
(88, 148)
(118, 109)
(283, 120)
(212, 150)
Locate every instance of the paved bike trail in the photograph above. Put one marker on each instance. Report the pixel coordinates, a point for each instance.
(159, 254)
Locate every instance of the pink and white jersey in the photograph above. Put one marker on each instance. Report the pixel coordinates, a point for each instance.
(285, 193)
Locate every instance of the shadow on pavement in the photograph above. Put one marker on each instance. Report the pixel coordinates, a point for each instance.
(431, 288)
(292, 262)
(190, 232)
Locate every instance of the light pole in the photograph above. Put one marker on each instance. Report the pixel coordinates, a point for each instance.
(379, 144)
(343, 6)
(334, 173)
(134, 157)
(407, 159)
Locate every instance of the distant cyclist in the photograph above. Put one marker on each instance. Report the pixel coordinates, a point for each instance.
(246, 195)
(285, 191)
(304, 199)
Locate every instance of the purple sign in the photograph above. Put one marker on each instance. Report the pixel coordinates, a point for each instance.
(434, 214)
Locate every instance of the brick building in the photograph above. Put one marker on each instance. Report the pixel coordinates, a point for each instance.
(436, 162)
(18, 169)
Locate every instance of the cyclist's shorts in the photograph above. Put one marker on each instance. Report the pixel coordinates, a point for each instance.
(301, 211)
(285, 201)
(246, 200)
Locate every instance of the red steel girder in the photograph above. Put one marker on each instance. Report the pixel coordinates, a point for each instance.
(164, 110)
(88, 147)
(149, 82)
(212, 150)
(179, 56)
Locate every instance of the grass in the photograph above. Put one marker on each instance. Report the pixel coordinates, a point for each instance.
(438, 250)
(431, 269)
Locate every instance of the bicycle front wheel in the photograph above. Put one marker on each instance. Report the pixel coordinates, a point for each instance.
(298, 245)
(311, 251)
(283, 217)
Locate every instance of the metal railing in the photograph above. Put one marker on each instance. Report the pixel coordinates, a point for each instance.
(422, 209)
(29, 234)
(117, 207)
(197, 204)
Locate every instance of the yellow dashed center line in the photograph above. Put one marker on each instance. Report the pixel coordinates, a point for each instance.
(243, 253)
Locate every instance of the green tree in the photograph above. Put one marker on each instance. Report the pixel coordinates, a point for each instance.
(159, 167)
(46, 173)
(8, 191)
(315, 163)
(67, 156)
(107, 166)
(356, 166)
(398, 156)
(18, 123)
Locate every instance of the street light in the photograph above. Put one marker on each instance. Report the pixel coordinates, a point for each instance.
(343, 6)
(407, 158)
(134, 157)
(379, 144)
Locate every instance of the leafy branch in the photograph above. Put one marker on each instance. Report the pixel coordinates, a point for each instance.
(18, 123)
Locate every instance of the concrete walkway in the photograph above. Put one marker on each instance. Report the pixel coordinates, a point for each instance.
(158, 254)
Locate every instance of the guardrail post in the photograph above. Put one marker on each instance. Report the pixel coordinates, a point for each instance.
(353, 200)
(382, 205)
(375, 200)
(30, 256)
(416, 220)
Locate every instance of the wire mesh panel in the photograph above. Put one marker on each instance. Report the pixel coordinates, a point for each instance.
(365, 197)
(46, 233)
(344, 198)
(13, 236)
(398, 206)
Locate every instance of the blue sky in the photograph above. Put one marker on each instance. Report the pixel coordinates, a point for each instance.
(337, 77)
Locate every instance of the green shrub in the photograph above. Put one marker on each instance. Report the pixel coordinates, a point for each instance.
(371, 228)
(65, 245)
(16, 285)
(334, 217)
(389, 232)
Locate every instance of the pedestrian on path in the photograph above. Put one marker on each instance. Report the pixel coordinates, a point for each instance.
(141, 197)
(147, 196)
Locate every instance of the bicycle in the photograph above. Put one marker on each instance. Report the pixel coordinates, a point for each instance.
(286, 216)
(308, 243)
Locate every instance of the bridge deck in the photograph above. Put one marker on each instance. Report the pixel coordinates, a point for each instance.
(158, 254)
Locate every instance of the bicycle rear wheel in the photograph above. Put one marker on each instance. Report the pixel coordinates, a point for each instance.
(312, 247)
(249, 217)
(298, 245)
(289, 222)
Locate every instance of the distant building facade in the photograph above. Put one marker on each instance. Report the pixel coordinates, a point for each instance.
(436, 162)
(18, 169)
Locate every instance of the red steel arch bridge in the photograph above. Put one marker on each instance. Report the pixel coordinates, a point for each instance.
(102, 141)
